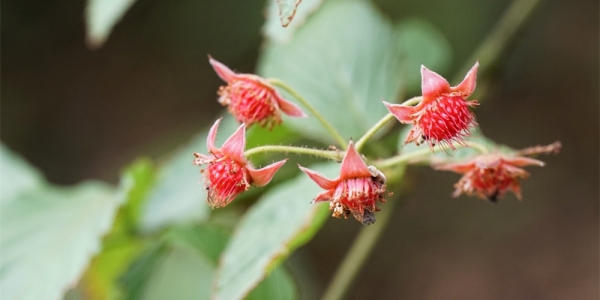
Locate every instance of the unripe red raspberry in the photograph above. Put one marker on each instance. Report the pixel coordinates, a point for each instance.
(252, 99)
(229, 173)
(442, 117)
(355, 191)
(489, 176)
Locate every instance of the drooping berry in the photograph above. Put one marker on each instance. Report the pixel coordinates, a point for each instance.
(489, 176)
(229, 173)
(252, 99)
(225, 179)
(442, 117)
(355, 191)
(445, 120)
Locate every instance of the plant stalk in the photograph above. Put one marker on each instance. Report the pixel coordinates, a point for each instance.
(336, 135)
(358, 254)
(487, 53)
(406, 158)
(497, 41)
(363, 140)
(335, 155)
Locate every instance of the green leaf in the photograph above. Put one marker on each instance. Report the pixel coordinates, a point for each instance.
(106, 268)
(16, 175)
(273, 28)
(101, 16)
(344, 61)
(209, 239)
(182, 266)
(137, 181)
(134, 281)
(182, 274)
(421, 44)
(259, 136)
(49, 235)
(280, 222)
(279, 285)
(122, 244)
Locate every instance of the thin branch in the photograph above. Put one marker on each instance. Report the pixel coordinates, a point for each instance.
(335, 155)
(358, 254)
(336, 135)
(363, 140)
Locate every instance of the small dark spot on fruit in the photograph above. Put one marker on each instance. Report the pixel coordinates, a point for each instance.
(368, 217)
(493, 197)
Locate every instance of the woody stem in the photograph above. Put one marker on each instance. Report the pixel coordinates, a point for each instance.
(335, 155)
(363, 140)
(311, 109)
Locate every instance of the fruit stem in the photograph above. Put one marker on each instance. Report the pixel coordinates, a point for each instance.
(341, 141)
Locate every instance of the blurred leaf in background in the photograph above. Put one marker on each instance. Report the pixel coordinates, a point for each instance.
(17, 175)
(124, 243)
(420, 43)
(101, 16)
(324, 64)
(182, 266)
(280, 222)
(49, 233)
(272, 29)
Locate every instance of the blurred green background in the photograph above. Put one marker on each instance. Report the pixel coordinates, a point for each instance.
(77, 113)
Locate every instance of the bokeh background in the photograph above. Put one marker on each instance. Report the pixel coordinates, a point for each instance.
(77, 113)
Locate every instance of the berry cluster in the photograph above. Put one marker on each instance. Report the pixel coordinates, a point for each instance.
(440, 118)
